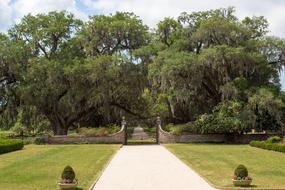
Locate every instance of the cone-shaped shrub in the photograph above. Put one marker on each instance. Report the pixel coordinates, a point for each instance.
(241, 172)
(68, 174)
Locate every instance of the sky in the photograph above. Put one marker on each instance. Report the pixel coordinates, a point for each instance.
(150, 11)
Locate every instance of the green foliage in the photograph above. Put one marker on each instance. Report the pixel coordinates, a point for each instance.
(168, 31)
(101, 131)
(68, 174)
(29, 123)
(227, 117)
(241, 172)
(207, 67)
(268, 146)
(67, 85)
(130, 131)
(267, 109)
(18, 128)
(46, 33)
(274, 139)
(214, 58)
(109, 34)
(5, 134)
(9, 145)
(180, 129)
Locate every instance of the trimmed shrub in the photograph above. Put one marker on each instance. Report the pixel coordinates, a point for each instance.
(9, 145)
(274, 139)
(241, 172)
(68, 174)
(268, 146)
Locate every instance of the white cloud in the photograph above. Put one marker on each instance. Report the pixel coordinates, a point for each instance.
(23, 7)
(5, 15)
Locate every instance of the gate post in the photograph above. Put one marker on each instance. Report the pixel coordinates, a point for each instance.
(158, 125)
(124, 124)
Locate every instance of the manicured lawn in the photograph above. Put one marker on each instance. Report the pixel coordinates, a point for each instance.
(217, 162)
(38, 167)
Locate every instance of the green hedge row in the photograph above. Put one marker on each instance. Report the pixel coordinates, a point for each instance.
(268, 146)
(9, 145)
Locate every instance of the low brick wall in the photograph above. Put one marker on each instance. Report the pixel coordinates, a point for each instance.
(246, 138)
(166, 137)
(118, 137)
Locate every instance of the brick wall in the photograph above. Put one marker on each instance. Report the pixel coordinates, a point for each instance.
(118, 137)
(166, 137)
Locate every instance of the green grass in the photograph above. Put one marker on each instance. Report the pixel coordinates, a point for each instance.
(151, 131)
(130, 131)
(38, 167)
(216, 163)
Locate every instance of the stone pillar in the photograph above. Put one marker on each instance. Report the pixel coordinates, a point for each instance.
(158, 125)
(124, 125)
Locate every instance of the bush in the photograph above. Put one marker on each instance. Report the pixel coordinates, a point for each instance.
(68, 174)
(5, 134)
(101, 131)
(40, 140)
(113, 128)
(241, 172)
(9, 145)
(226, 117)
(268, 146)
(180, 129)
(274, 139)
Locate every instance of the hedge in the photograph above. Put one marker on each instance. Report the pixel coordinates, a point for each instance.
(9, 145)
(268, 146)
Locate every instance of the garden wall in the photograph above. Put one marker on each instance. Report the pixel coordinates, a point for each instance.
(166, 137)
(118, 137)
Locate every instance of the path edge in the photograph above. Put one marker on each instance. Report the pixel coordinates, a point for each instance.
(104, 168)
(207, 181)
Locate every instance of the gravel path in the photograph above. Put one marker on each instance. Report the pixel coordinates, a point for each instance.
(139, 134)
(149, 167)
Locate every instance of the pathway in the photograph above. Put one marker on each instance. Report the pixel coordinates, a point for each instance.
(149, 167)
(139, 134)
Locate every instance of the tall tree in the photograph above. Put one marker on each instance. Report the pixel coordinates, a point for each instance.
(212, 57)
(68, 84)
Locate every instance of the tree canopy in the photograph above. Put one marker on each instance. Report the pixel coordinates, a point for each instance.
(204, 67)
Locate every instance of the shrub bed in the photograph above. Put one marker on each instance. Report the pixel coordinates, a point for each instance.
(9, 145)
(97, 132)
(268, 145)
(180, 129)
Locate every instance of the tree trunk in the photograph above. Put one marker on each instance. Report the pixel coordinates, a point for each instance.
(58, 127)
(170, 110)
(61, 130)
